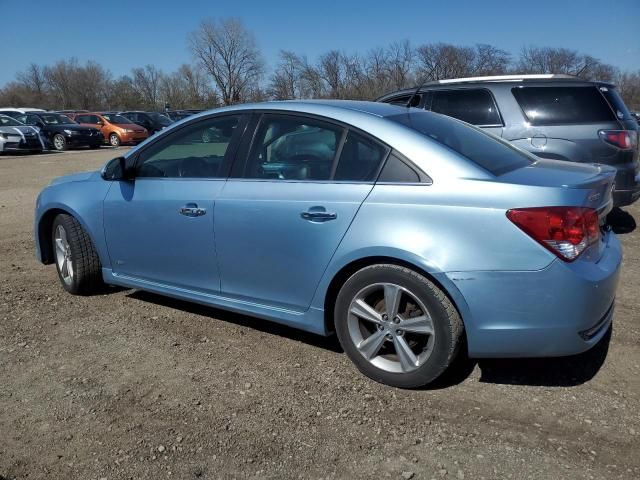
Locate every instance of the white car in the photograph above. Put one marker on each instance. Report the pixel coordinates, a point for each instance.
(16, 136)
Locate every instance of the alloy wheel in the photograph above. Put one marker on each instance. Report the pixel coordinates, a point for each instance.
(63, 255)
(391, 327)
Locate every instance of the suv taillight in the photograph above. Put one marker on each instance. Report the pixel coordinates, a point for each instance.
(624, 139)
(565, 231)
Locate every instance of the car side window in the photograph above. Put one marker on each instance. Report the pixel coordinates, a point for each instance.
(398, 171)
(475, 106)
(360, 159)
(293, 148)
(194, 151)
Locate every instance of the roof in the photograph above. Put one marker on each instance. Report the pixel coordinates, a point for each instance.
(496, 79)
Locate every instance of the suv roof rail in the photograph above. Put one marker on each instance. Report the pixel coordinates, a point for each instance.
(508, 78)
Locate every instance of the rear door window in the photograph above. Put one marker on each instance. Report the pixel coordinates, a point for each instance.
(360, 159)
(475, 106)
(563, 105)
(293, 148)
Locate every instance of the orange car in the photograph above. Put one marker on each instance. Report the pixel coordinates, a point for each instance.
(115, 128)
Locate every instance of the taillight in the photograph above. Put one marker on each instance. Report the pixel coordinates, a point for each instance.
(565, 231)
(624, 139)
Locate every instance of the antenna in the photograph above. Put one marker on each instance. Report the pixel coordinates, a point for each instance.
(415, 94)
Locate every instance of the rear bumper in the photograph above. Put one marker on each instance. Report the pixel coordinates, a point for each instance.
(627, 185)
(84, 141)
(563, 309)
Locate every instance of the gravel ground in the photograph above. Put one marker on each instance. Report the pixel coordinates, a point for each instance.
(134, 385)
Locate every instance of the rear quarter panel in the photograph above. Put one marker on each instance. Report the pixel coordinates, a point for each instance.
(451, 226)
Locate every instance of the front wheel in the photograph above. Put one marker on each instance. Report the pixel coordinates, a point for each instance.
(396, 326)
(114, 140)
(59, 142)
(77, 261)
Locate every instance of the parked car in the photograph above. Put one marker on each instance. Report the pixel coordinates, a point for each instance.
(560, 117)
(115, 128)
(409, 234)
(60, 132)
(71, 113)
(16, 136)
(152, 121)
(175, 115)
(16, 112)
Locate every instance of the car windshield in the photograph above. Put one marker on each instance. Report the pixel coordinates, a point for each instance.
(56, 119)
(161, 119)
(117, 119)
(483, 149)
(9, 122)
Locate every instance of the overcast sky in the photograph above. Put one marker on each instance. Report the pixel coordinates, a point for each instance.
(126, 34)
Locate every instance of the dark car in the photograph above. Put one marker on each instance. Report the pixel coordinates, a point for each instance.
(559, 117)
(176, 115)
(60, 132)
(152, 121)
(18, 137)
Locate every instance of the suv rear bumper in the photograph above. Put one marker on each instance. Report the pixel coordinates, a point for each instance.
(627, 185)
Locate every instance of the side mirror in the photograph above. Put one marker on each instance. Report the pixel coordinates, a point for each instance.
(117, 169)
(100, 122)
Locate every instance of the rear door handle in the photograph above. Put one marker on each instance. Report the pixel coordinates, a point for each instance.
(318, 215)
(192, 210)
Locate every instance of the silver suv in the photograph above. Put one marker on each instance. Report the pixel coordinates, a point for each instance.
(552, 116)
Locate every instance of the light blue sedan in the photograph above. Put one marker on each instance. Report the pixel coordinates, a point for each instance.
(407, 233)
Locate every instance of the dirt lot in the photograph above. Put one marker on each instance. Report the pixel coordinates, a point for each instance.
(133, 385)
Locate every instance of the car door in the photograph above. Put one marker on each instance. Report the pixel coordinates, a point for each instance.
(285, 209)
(472, 105)
(159, 226)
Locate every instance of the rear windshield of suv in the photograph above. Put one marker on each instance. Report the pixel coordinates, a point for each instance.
(483, 149)
(563, 105)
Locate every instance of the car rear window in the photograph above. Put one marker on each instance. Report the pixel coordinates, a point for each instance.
(483, 149)
(563, 105)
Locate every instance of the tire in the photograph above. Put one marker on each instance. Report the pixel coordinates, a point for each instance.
(59, 142)
(427, 323)
(114, 140)
(76, 259)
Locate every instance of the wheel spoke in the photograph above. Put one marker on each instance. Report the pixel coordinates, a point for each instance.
(421, 324)
(408, 360)
(69, 267)
(392, 295)
(65, 269)
(60, 246)
(363, 310)
(63, 235)
(370, 346)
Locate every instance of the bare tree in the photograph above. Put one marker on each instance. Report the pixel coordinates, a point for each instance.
(286, 80)
(228, 52)
(490, 60)
(399, 64)
(146, 81)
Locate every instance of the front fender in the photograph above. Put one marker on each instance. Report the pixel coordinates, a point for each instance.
(82, 200)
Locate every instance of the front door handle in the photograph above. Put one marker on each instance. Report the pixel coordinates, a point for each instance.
(318, 214)
(192, 210)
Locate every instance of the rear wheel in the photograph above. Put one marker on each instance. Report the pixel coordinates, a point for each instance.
(59, 142)
(77, 261)
(114, 140)
(396, 326)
